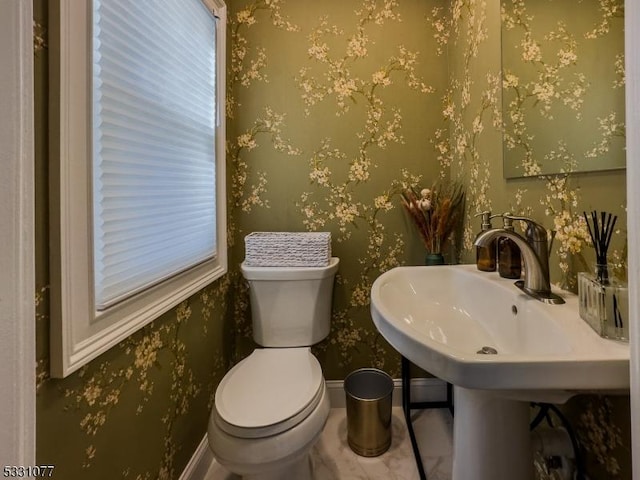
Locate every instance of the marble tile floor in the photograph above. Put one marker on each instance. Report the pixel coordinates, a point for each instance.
(334, 460)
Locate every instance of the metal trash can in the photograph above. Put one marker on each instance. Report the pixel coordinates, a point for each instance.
(368, 392)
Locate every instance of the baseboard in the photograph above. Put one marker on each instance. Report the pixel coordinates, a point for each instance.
(200, 463)
(422, 390)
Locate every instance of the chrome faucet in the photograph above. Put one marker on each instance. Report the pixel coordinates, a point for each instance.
(534, 247)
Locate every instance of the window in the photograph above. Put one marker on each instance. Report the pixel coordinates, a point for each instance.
(138, 195)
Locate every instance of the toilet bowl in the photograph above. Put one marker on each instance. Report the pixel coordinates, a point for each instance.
(271, 407)
(268, 430)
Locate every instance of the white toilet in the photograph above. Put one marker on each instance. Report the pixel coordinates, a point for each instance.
(271, 407)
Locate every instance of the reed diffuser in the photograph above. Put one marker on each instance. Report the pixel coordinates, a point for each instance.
(603, 299)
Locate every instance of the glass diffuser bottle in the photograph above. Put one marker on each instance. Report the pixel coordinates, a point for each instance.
(603, 299)
(604, 303)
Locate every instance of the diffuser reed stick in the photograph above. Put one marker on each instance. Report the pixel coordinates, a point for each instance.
(600, 232)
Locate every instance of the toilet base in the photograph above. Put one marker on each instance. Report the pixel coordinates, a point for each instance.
(300, 470)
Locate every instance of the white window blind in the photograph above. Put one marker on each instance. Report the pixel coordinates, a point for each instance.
(154, 116)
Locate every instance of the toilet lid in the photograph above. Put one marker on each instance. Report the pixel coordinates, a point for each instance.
(268, 392)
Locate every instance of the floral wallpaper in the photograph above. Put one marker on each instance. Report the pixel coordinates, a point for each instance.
(333, 108)
(474, 152)
(563, 85)
(140, 410)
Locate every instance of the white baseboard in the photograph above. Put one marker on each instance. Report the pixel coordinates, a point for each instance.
(200, 463)
(422, 390)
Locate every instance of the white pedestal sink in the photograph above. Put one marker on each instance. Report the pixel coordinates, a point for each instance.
(441, 317)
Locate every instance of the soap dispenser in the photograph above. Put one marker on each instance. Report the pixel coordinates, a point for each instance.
(486, 256)
(509, 257)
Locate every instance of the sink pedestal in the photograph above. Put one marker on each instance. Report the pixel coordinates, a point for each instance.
(491, 439)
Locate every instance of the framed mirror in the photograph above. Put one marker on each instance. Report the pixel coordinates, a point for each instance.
(563, 86)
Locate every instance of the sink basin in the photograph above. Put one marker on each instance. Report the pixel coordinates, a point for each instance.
(441, 317)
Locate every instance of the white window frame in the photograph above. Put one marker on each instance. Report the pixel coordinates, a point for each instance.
(79, 333)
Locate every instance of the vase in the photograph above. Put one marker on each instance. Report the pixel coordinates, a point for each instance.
(434, 259)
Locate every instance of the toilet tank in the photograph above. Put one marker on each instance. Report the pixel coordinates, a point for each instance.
(290, 306)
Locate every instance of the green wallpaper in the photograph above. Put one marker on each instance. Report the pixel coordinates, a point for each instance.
(563, 85)
(333, 107)
(139, 410)
(474, 115)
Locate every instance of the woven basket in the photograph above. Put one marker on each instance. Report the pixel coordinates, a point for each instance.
(287, 249)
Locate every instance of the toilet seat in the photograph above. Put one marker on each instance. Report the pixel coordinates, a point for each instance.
(269, 392)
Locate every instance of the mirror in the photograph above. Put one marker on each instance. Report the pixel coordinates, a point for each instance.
(563, 86)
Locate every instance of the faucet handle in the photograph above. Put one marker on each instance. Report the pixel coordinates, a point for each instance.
(486, 219)
(507, 220)
(535, 232)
